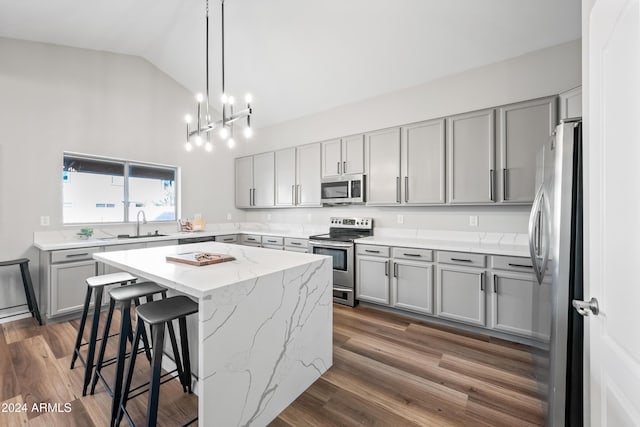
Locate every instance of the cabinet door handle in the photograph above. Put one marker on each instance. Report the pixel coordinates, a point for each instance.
(250, 197)
(344, 167)
(299, 194)
(406, 189)
(504, 184)
(414, 255)
(254, 197)
(520, 265)
(371, 251)
(495, 283)
(461, 260)
(491, 176)
(338, 168)
(395, 269)
(77, 255)
(386, 268)
(482, 281)
(295, 243)
(397, 189)
(293, 195)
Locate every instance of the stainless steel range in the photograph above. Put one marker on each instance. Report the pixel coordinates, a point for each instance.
(338, 244)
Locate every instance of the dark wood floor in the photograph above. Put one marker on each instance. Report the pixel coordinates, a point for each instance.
(388, 371)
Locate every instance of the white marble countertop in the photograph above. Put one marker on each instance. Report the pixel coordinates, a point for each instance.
(509, 244)
(198, 281)
(67, 239)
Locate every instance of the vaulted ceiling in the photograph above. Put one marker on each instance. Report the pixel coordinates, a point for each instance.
(298, 57)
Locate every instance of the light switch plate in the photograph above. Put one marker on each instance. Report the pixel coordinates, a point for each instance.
(473, 220)
(268, 217)
(45, 221)
(228, 217)
(400, 219)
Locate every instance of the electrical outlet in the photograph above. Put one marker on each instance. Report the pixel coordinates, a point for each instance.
(45, 221)
(268, 217)
(308, 217)
(400, 219)
(197, 216)
(473, 220)
(228, 217)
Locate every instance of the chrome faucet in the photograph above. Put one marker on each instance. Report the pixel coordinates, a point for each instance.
(144, 219)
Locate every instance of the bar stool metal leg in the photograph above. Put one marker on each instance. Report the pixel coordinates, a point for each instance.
(184, 343)
(83, 321)
(92, 339)
(156, 372)
(32, 302)
(126, 388)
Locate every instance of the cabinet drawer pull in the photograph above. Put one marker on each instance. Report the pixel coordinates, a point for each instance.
(77, 255)
(272, 241)
(520, 265)
(229, 239)
(386, 268)
(296, 243)
(461, 260)
(251, 239)
(495, 284)
(371, 251)
(414, 255)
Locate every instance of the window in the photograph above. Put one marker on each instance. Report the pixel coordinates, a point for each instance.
(101, 190)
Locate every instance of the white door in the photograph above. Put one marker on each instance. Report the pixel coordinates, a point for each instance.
(383, 165)
(286, 177)
(612, 226)
(244, 182)
(331, 158)
(353, 154)
(264, 180)
(308, 175)
(423, 162)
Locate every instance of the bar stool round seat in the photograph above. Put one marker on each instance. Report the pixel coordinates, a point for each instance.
(32, 303)
(157, 314)
(97, 284)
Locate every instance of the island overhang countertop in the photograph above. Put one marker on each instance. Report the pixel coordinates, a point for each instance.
(198, 281)
(263, 331)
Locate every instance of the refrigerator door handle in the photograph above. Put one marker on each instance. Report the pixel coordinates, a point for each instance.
(533, 230)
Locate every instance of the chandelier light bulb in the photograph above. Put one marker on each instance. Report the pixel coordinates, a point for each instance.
(248, 98)
(231, 100)
(208, 147)
(188, 146)
(199, 97)
(188, 118)
(198, 140)
(231, 143)
(224, 132)
(224, 98)
(248, 132)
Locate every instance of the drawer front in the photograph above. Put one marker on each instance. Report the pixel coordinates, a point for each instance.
(277, 247)
(373, 250)
(462, 258)
(227, 238)
(69, 255)
(511, 263)
(251, 239)
(411, 253)
(296, 243)
(270, 240)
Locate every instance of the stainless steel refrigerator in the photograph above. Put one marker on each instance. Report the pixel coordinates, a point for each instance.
(555, 243)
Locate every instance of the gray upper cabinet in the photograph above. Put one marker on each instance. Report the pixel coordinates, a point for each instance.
(571, 103)
(524, 128)
(308, 175)
(244, 182)
(471, 164)
(264, 180)
(382, 152)
(343, 156)
(423, 163)
(285, 175)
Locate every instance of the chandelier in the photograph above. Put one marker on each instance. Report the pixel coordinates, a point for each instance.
(204, 124)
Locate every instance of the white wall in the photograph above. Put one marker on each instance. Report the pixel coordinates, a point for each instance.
(56, 99)
(541, 73)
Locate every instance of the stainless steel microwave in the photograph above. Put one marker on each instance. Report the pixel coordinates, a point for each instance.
(343, 190)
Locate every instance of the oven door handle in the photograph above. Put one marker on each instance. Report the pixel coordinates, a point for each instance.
(330, 245)
(342, 289)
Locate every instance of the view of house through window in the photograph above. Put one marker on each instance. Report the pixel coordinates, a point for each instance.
(100, 190)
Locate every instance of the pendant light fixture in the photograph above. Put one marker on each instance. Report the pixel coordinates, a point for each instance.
(201, 135)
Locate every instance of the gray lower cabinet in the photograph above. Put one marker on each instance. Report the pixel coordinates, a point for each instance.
(372, 279)
(460, 294)
(68, 286)
(471, 170)
(413, 286)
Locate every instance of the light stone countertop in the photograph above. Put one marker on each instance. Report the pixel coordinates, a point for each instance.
(198, 281)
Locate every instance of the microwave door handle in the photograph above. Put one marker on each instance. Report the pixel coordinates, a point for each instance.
(533, 225)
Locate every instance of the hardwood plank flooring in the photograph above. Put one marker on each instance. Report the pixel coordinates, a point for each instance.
(388, 370)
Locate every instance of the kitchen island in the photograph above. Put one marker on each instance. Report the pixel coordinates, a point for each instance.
(264, 327)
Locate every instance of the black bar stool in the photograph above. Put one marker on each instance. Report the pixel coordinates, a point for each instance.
(125, 296)
(157, 314)
(98, 283)
(32, 303)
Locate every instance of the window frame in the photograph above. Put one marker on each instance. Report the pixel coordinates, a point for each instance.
(126, 208)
